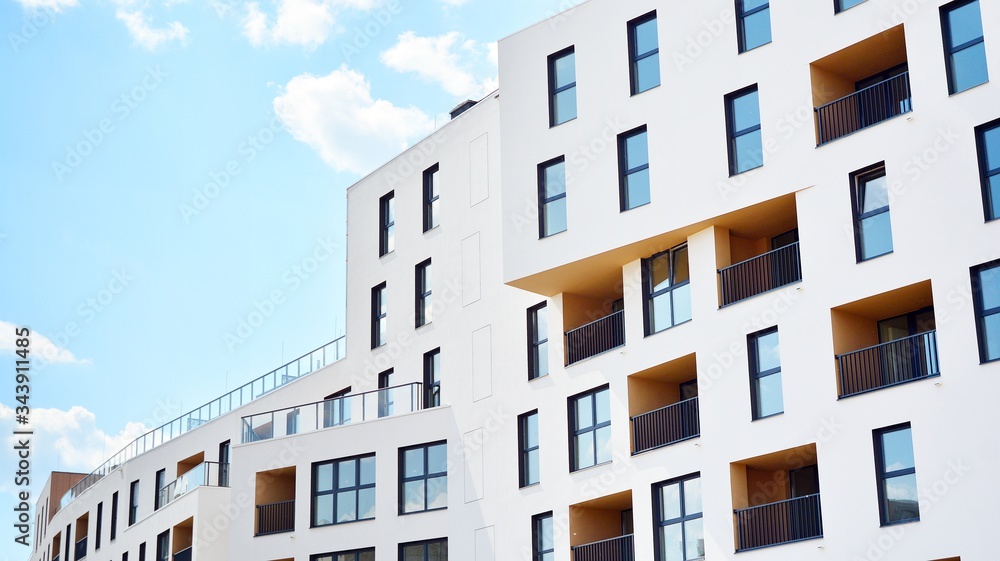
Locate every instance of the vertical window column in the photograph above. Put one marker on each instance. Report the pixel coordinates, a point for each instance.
(422, 286)
(552, 197)
(746, 150)
(387, 224)
(432, 378)
(538, 341)
(678, 516)
(897, 479)
(590, 426)
(527, 436)
(872, 225)
(633, 163)
(423, 477)
(432, 198)
(644, 52)
(753, 23)
(542, 543)
(667, 287)
(765, 374)
(133, 502)
(964, 46)
(379, 314)
(986, 294)
(988, 144)
(562, 87)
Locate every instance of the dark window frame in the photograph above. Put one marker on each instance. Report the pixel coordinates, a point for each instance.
(553, 90)
(575, 432)
(377, 315)
(741, 16)
(624, 171)
(658, 521)
(432, 194)
(97, 530)
(838, 6)
(535, 341)
(133, 502)
(432, 379)
(163, 546)
(881, 476)
(732, 134)
(142, 551)
(336, 489)
(991, 208)
(981, 313)
(635, 57)
(951, 50)
(756, 376)
(426, 544)
(386, 399)
(114, 516)
(649, 295)
(159, 482)
(525, 449)
(422, 293)
(403, 479)
(543, 200)
(538, 550)
(386, 224)
(332, 555)
(859, 181)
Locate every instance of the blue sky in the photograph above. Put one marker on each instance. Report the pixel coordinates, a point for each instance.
(166, 166)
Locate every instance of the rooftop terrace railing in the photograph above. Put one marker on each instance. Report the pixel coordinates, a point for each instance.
(305, 364)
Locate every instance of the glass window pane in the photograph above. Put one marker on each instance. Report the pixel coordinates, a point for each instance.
(995, 196)
(991, 147)
(749, 151)
(660, 318)
(659, 271)
(645, 37)
(968, 67)
(694, 540)
(769, 399)
(876, 236)
(991, 333)
(756, 30)
(555, 179)
(323, 509)
(366, 504)
(555, 217)
(413, 461)
(647, 73)
(602, 401)
(637, 189)
(681, 297)
(584, 412)
(897, 450)
(413, 553)
(901, 498)
(603, 445)
(670, 502)
(989, 284)
(324, 477)
(367, 555)
(531, 468)
(768, 353)
(671, 542)
(746, 111)
(751, 4)
(965, 23)
(531, 431)
(584, 450)
(437, 492)
(875, 194)
(845, 4)
(433, 222)
(564, 106)
(437, 458)
(542, 323)
(437, 551)
(636, 150)
(543, 359)
(367, 470)
(545, 539)
(681, 271)
(692, 496)
(346, 476)
(413, 496)
(346, 506)
(565, 68)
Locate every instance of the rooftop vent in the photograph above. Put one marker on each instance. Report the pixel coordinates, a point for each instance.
(462, 108)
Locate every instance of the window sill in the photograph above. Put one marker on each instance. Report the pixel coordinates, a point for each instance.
(530, 380)
(767, 416)
(867, 259)
(970, 88)
(554, 125)
(899, 522)
(651, 88)
(665, 329)
(609, 462)
(624, 210)
(553, 234)
(423, 511)
(748, 170)
(755, 48)
(341, 523)
(529, 486)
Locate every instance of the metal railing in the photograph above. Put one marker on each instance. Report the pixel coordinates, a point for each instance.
(777, 523)
(211, 474)
(183, 555)
(80, 551)
(305, 364)
(896, 362)
(666, 425)
(759, 274)
(275, 518)
(614, 549)
(596, 337)
(354, 408)
(864, 108)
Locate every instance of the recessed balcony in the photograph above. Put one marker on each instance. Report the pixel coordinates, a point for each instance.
(596, 337)
(601, 529)
(211, 474)
(593, 320)
(663, 404)
(275, 501)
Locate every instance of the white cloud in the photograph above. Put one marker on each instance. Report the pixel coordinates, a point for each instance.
(448, 60)
(79, 445)
(140, 28)
(308, 23)
(41, 346)
(54, 5)
(337, 116)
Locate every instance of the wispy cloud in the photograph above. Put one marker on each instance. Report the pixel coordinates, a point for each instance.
(308, 23)
(140, 27)
(41, 346)
(449, 60)
(54, 5)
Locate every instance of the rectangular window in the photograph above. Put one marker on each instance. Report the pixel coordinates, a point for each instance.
(964, 46)
(527, 437)
(431, 550)
(431, 198)
(353, 555)
(97, 531)
(432, 378)
(644, 53)
(343, 490)
(133, 502)
(386, 399)
(897, 475)
(633, 168)
(379, 322)
(538, 341)
(590, 428)
(124, 556)
(667, 286)
(163, 546)
(114, 516)
(765, 373)
(224, 464)
(988, 144)
(422, 284)
(387, 224)
(142, 551)
(746, 151)
(870, 199)
(159, 483)
(677, 513)
(753, 23)
(841, 5)
(986, 294)
(562, 87)
(542, 543)
(423, 478)
(68, 542)
(552, 197)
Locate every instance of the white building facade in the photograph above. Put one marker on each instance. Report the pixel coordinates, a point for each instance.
(697, 282)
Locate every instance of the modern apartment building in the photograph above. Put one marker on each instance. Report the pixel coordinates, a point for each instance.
(707, 281)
